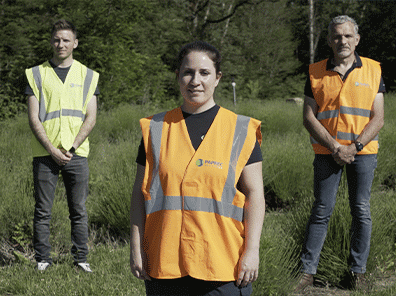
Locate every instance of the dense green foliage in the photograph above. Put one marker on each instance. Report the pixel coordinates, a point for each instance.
(132, 44)
(287, 173)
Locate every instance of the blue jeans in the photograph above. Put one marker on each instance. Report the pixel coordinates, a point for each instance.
(327, 176)
(75, 176)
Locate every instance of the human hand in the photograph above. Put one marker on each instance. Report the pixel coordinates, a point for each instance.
(137, 264)
(248, 267)
(61, 156)
(345, 154)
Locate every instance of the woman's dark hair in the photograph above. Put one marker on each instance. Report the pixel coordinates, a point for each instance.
(200, 46)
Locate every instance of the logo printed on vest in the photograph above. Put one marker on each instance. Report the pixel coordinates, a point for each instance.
(362, 84)
(75, 85)
(211, 163)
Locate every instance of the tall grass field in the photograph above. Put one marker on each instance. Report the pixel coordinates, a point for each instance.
(288, 181)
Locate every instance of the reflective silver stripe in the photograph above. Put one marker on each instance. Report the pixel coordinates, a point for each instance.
(73, 113)
(87, 84)
(65, 112)
(355, 111)
(224, 207)
(38, 80)
(343, 110)
(343, 136)
(347, 136)
(51, 115)
(327, 114)
(192, 203)
(240, 134)
(167, 203)
(211, 205)
(157, 194)
(350, 136)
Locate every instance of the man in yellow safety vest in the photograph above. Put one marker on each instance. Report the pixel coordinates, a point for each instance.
(62, 99)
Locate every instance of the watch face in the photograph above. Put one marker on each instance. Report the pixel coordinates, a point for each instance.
(359, 146)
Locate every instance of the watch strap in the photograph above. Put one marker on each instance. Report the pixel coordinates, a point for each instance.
(359, 146)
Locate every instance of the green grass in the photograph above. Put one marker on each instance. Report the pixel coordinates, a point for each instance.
(111, 276)
(287, 175)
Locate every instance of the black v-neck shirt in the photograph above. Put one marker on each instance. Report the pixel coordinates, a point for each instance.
(197, 126)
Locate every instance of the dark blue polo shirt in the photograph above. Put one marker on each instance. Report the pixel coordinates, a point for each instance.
(330, 67)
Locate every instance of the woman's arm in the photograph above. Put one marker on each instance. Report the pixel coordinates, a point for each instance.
(138, 218)
(251, 184)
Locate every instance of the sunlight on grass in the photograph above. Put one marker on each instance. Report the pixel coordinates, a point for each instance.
(287, 175)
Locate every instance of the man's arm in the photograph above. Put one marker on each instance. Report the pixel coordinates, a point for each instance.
(376, 122)
(89, 123)
(39, 132)
(315, 128)
(370, 131)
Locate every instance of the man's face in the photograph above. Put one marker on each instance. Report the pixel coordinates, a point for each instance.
(343, 40)
(63, 42)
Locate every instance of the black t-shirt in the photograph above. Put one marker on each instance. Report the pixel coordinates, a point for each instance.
(197, 126)
(62, 73)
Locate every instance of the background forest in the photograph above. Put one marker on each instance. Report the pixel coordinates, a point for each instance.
(132, 43)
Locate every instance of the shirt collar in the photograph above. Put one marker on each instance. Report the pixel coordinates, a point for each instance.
(330, 66)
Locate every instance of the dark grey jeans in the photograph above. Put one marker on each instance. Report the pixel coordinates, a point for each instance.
(75, 176)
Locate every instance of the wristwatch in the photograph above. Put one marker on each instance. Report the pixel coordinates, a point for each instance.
(72, 150)
(359, 146)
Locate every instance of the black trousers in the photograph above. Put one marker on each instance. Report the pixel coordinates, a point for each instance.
(188, 286)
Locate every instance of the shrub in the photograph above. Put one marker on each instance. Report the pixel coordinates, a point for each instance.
(277, 258)
(114, 145)
(386, 167)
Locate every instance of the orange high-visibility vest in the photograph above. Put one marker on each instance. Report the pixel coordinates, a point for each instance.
(344, 107)
(194, 211)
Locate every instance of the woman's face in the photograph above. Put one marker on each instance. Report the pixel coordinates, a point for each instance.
(197, 80)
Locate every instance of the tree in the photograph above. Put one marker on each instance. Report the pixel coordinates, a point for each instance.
(260, 51)
(107, 29)
(265, 44)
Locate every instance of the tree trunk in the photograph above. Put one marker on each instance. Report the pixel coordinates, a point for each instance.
(227, 24)
(311, 32)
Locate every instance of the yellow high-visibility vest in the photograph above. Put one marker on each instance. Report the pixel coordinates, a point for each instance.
(344, 107)
(194, 211)
(62, 106)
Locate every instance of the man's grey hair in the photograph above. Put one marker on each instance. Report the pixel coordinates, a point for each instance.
(341, 19)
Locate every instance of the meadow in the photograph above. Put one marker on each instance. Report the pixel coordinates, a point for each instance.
(287, 175)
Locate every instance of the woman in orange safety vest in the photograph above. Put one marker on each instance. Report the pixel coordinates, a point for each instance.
(197, 205)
